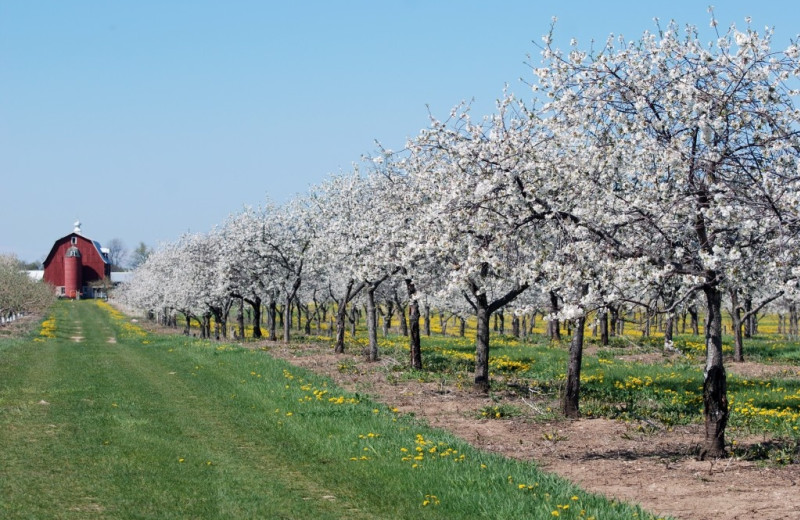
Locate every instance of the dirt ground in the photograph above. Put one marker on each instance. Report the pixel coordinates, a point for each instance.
(637, 463)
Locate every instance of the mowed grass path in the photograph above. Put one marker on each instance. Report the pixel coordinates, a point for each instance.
(104, 421)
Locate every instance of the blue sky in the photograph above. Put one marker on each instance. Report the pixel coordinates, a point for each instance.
(149, 118)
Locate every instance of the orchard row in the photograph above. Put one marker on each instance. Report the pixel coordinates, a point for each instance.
(660, 173)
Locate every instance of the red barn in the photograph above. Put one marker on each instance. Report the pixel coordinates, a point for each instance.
(75, 264)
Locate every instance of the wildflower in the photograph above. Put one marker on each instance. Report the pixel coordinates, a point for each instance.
(430, 500)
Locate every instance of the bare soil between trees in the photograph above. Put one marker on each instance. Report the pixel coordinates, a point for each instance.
(633, 462)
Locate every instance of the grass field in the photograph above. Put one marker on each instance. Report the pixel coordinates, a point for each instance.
(99, 419)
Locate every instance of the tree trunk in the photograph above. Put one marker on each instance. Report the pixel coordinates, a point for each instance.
(255, 304)
(554, 325)
(387, 318)
(403, 321)
(287, 319)
(341, 317)
(524, 327)
(272, 314)
(302, 314)
(307, 327)
(317, 319)
(482, 345)
(414, 343)
(572, 389)
(426, 321)
(715, 392)
(320, 317)
(354, 319)
(483, 311)
(694, 321)
(749, 330)
(515, 325)
(240, 318)
(603, 318)
(462, 327)
(222, 328)
(372, 323)
(736, 325)
(341, 314)
(668, 330)
(401, 314)
(613, 320)
(683, 323)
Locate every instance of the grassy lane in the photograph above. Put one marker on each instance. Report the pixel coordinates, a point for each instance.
(99, 429)
(120, 424)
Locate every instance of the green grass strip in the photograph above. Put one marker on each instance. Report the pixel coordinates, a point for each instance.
(101, 420)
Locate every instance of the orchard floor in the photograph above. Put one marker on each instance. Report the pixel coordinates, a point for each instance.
(636, 463)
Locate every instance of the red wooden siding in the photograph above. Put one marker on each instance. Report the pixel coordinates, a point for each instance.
(93, 266)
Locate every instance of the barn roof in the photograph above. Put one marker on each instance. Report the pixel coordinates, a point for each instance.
(95, 243)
